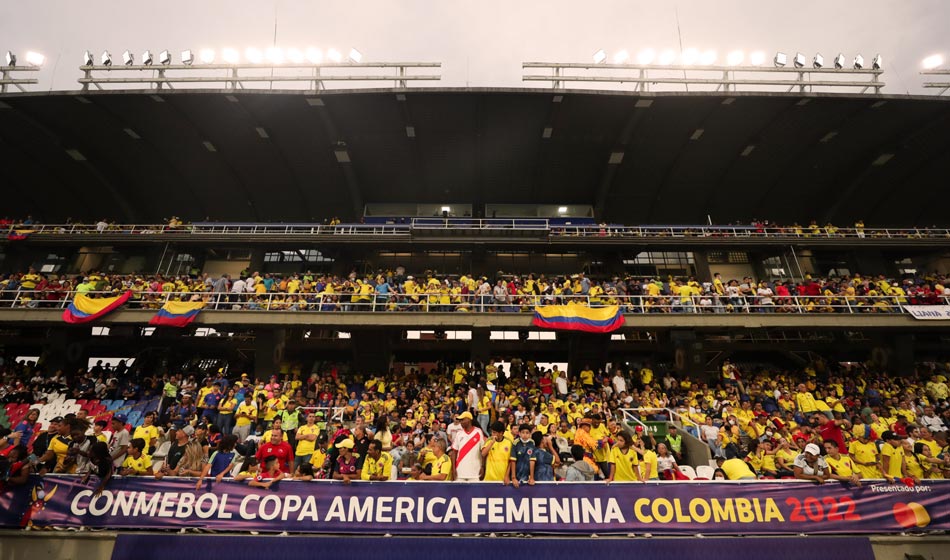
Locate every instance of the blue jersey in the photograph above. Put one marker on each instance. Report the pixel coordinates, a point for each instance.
(523, 453)
(544, 465)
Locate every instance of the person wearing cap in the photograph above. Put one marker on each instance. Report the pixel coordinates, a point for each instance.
(119, 443)
(466, 452)
(893, 464)
(810, 465)
(347, 469)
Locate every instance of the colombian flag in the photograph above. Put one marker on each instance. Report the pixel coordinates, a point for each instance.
(578, 318)
(177, 313)
(84, 309)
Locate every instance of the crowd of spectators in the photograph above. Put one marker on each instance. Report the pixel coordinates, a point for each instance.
(468, 422)
(395, 290)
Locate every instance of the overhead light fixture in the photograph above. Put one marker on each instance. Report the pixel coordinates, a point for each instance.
(932, 62)
(230, 56)
(446, 209)
(334, 55)
(128, 58)
(253, 55)
(780, 60)
(11, 59)
(690, 56)
(708, 58)
(621, 57)
(106, 58)
(35, 58)
(187, 57)
(355, 56)
(735, 58)
(206, 56)
(600, 56)
(295, 56)
(165, 58)
(877, 63)
(314, 55)
(147, 58)
(274, 55)
(858, 62)
(799, 60)
(646, 56)
(87, 59)
(562, 209)
(667, 57)
(757, 58)
(818, 61)
(839, 61)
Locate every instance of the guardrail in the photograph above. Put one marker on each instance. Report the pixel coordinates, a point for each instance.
(440, 303)
(553, 229)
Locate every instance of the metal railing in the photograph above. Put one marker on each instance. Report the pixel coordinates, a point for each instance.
(346, 302)
(462, 224)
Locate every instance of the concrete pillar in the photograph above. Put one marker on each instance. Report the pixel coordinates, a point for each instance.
(269, 347)
(372, 350)
(481, 345)
(257, 259)
(585, 349)
(702, 266)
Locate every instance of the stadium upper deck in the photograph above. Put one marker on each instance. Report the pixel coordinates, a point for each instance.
(636, 158)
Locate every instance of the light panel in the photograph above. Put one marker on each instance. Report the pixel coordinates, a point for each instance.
(187, 57)
(206, 56)
(932, 62)
(757, 58)
(254, 56)
(600, 56)
(735, 58)
(230, 56)
(646, 56)
(35, 58)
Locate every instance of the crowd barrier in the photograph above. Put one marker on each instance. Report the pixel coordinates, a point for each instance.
(434, 508)
(934, 308)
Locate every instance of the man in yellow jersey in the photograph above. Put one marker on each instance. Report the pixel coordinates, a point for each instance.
(805, 401)
(245, 416)
(892, 457)
(864, 453)
(378, 465)
(306, 437)
(842, 466)
(497, 453)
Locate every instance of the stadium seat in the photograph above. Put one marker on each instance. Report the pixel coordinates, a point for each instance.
(80, 402)
(106, 402)
(688, 471)
(704, 472)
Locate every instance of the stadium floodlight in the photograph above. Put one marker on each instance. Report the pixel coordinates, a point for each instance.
(11, 59)
(707, 58)
(600, 56)
(355, 56)
(562, 209)
(858, 62)
(35, 58)
(735, 58)
(314, 55)
(206, 56)
(646, 56)
(818, 61)
(128, 58)
(274, 55)
(689, 57)
(932, 62)
(334, 55)
(621, 57)
(667, 57)
(799, 60)
(757, 58)
(295, 56)
(106, 58)
(877, 63)
(780, 60)
(254, 56)
(147, 58)
(839, 61)
(87, 59)
(165, 58)
(187, 57)
(230, 56)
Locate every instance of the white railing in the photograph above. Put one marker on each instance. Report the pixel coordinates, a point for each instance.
(554, 229)
(346, 302)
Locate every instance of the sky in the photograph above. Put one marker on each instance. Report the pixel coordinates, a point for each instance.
(480, 43)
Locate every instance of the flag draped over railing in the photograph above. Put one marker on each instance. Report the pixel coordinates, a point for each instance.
(84, 309)
(177, 313)
(579, 318)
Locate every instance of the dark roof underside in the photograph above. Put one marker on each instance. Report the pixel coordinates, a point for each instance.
(205, 154)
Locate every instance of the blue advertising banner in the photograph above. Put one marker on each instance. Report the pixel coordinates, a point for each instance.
(203, 547)
(664, 508)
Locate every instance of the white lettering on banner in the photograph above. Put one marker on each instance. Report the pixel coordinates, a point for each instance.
(244, 503)
(404, 510)
(384, 509)
(205, 512)
(74, 506)
(168, 502)
(223, 513)
(185, 506)
(929, 312)
(309, 510)
(96, 509)
(262, 508)
(147, 506)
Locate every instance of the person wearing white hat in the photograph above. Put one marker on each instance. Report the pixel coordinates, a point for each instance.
(810, 465)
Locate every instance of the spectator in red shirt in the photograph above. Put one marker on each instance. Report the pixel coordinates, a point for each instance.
(279, 449)
(830, 430)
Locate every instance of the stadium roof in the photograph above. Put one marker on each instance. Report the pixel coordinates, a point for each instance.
(638, 158)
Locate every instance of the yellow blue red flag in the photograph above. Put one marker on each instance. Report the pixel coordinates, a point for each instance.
(177, 313)
(84, 308)
(579, 318)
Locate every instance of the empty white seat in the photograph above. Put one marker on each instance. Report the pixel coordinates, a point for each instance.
(704, 471)
(688, 471)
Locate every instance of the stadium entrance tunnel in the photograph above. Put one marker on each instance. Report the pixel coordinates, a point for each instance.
(137, 546)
